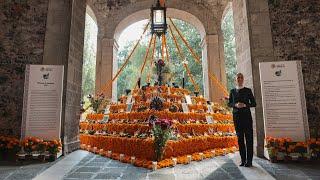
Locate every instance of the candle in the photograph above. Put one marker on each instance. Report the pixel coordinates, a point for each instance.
(174, 161)
(224, 151)
(201, 156)
(88, 148)
(133, 159)
(101, 151)
(109, 153)
(121, 157)
(95, 149)
(213, 152)
(189, 157)
(154, 165)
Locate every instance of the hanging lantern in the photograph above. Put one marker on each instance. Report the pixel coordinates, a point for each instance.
(158, 19)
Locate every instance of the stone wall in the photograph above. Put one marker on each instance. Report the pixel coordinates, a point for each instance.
(65, 30)
(22, 32)
(296, 36)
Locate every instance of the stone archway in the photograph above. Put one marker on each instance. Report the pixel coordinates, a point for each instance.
(207, 20)
(174, 13)
(64, 45)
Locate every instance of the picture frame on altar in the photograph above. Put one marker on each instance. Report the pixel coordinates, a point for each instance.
(107, 109)
(185, 107)
(129, 107)
(209, 119)
(105, 119)
(210, 110)
(129, 99)
(188, 99)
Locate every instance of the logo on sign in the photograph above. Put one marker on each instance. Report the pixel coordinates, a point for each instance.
(278, 73)
(45, 76)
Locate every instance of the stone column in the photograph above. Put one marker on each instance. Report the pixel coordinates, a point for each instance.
(253, 45)
(106, 66)
(211, 62)
(64, 40)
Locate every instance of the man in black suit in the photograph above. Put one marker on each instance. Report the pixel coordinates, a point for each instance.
(241, 100)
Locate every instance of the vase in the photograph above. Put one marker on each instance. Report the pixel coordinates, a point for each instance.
(52, 157)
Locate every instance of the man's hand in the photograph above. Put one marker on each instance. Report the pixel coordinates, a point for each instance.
(240, 105)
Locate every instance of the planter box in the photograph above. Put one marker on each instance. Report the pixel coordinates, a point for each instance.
(281, 156)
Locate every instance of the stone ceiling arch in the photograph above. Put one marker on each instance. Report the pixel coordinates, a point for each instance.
(207, 12)
(145, 14)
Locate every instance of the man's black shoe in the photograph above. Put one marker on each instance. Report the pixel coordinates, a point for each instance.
(248, 165)
(242, 164)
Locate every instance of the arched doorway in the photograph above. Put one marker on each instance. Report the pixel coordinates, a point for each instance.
(212, 53)
(131, 73)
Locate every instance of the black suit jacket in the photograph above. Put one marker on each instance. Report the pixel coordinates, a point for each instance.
(242, 116)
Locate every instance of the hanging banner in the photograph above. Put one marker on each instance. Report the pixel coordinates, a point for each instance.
(42, 102)
(283, 100)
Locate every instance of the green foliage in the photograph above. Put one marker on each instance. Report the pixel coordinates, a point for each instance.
(89, 56)
(130, 74)
(128, 78)
(161, 136)
(229, 48)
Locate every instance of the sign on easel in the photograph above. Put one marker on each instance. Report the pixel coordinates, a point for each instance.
(42, 102)
(283, 100)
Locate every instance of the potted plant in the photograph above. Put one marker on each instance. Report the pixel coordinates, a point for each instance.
(53, 148)
(271, 145)
(161, 131)
(314, 146)
(301, 148)
(13, 147)
(29, 145)
(42, 147)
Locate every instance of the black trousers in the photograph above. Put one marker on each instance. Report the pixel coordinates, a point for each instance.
(245, 142)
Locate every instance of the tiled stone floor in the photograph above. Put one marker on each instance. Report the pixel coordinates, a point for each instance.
(84, 165)
(12, 171)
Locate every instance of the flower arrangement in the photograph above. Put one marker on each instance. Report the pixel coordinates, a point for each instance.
(30, 144)
(97, 103)
(54, 146)
(314, 146)
(285, 148)
(144, 148)
(9, 144)
(161, 131)
(10, 147)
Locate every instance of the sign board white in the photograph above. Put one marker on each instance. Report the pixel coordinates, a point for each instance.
(188, 99)
(209, 119)
(210, 110)
(185, 107)
(107, 109)
(42, 102)
(283, 100)
(129, 107)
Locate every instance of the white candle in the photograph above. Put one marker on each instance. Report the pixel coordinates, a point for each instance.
(154, 165)
(101, 151)
(95, 149)
(189, 157)
(121, 157)
(88, 148)
(213, 152)
(224, 151)
(174, 161)
(133, 159)
(201, 156)
(109, 153)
